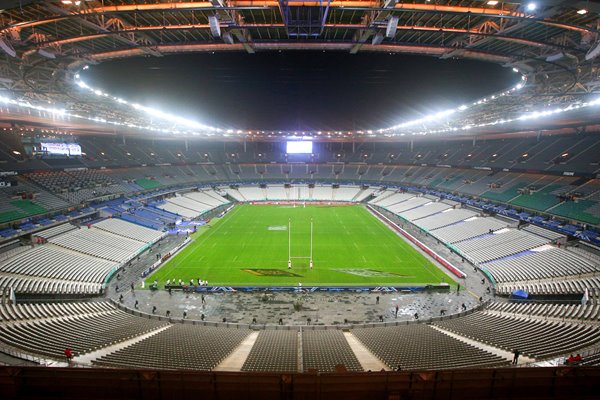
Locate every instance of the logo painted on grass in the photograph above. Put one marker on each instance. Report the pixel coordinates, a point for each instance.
(368, 273)
(269, 272)
(278, 228)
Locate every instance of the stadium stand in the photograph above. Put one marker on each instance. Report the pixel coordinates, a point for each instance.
(548, 311)
(533, 337)
(445, 218)
(548, 262)
(501, 243)
(99, 243)
(128, 230)
(573, 285)
(78, 261)
(323, 350)
(55, 231)
(49, 337)
(51, 262)
(75, 261)
(179, 347)
(467, 229)
(422, 347)
(274, 351)
(424, 211)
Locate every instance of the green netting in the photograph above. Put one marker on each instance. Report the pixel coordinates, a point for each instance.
(451, 182)
(148, 183)
(506, 194)
(577, 210)
(28, 207)
(541, 200)
(435, 182)
(10, 216)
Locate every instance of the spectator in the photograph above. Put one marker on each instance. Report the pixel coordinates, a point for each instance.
(516, 357)
(68, 355)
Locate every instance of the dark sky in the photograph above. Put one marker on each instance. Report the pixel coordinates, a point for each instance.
(299, 90)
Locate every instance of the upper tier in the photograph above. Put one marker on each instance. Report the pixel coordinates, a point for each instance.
(548, 154)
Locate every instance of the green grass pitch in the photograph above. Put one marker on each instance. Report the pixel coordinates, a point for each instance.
(249, 247)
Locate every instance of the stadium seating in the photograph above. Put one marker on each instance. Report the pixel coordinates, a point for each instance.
(445, 218)
(55, 231)
(49, 337)
(125, 229)
(75, 261)
(21, 312)
(548, 263)
(346, 193)
(192, 204)
(274, 351)
(178, 347)
(99, 243)
(560, 312)
(425, 210)
(533, 337)
(467, 229)
(323, 350)
(48, 261)
(568, 285)
(501, 243)
(420, 346)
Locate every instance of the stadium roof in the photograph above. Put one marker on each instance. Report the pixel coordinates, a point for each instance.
(552, 43)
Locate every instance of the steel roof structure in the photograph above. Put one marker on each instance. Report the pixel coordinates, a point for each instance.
(552, 43)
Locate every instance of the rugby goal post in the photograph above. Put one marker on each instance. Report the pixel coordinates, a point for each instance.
(290, 257)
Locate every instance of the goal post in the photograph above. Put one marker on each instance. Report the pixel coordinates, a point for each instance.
(290, 256)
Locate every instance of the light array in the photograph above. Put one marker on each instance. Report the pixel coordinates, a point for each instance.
(524, 117)
(184, 126)
(439, 116)
(153, 112)
(194, 125)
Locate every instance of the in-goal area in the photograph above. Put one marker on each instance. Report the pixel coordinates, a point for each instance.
(299, 257)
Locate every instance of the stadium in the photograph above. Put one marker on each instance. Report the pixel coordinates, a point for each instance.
(299, 199)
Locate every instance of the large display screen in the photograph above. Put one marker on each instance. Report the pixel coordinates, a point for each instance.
(65, 149)
(303, 147)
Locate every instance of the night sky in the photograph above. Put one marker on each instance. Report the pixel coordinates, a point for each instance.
(299, 90)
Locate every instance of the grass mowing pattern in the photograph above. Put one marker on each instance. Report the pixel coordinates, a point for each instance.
(249, 247)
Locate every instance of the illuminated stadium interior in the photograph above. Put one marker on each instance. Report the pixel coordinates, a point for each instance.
(355, 198)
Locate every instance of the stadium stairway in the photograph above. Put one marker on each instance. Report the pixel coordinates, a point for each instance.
(87, 358)
(484, 346)
(238, 356)
(366, 358)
